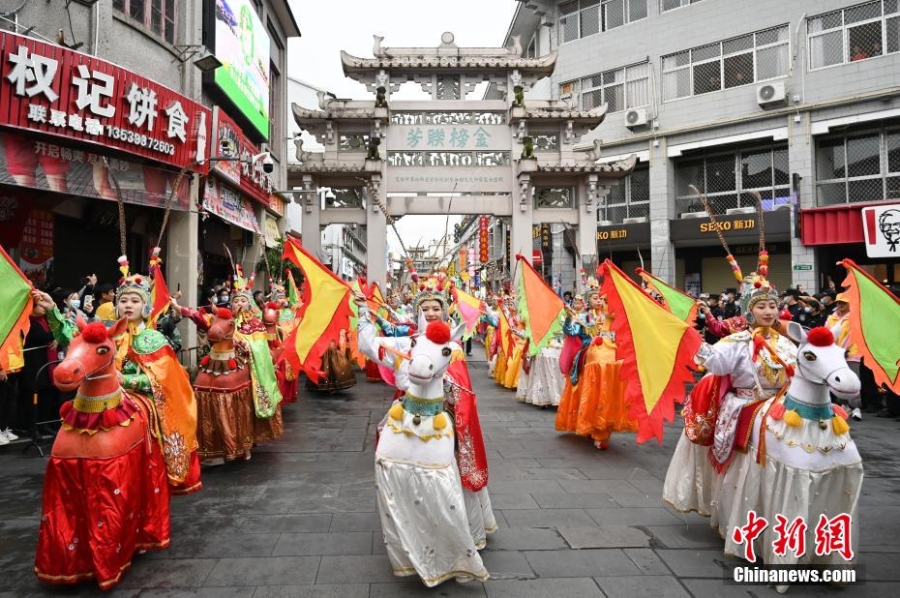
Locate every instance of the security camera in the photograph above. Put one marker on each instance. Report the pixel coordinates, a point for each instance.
(268, 163)
(227, 147)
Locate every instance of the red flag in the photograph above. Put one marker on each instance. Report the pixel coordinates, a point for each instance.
(159, 295)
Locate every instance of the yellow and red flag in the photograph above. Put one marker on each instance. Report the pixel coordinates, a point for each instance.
(324, 313)
(470, 309)
(539, 307)
(159, 295)
(874, 322)
(675, 300)
(15, 297)
(504, 330)
(657, 349)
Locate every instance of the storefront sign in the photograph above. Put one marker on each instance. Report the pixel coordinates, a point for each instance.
(483, 224)
(36, 247)
(271, 234)
(276, 205)
(242, 44)
(251, 178)
(622, 236)
(227, 204)
(881, 227)
(803, 267)
(57, 91)
(737, 227)
(49, 166)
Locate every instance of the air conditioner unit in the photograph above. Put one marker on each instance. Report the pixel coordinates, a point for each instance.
(740, 211)
(686, 215)
(635, 220)
(772, 94)
(636, 117)
(605, 223)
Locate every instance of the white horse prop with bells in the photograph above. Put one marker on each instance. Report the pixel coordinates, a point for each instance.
(420, 495)
(801, 465)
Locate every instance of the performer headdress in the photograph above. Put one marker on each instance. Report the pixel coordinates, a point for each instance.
(433, 288)
(137, 284)
(243, 287)
(592, 287)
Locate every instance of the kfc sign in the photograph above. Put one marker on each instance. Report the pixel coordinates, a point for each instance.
(881, 227)
(57, 91)
(231, 141)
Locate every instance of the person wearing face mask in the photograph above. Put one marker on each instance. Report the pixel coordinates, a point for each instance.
(71, 307)
(593, 400)
(453, 551)
(148, 369)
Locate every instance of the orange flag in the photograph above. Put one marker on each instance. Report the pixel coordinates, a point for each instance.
(324, 313)
(539, 307)
(657, 349)
(159, 295)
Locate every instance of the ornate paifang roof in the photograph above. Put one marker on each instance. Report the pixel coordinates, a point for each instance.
(328, 167)
(335, 110)
(591, 118)
(542, 65)
(610, 170)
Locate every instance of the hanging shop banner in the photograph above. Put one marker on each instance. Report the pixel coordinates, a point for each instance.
(483, 230)
(881, 226)
(47, 166)
(227, 204)
(57, 91)
(271, 234)
(251, 178)
(14, 212)
(242, 44)
(36, 246)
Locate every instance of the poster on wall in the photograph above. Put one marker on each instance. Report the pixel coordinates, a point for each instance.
(881, 227)
(242, 44)
(36, 246)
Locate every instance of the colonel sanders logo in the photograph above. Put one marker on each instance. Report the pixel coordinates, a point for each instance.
(889, 223)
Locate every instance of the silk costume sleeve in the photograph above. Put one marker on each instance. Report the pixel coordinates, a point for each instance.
(719, 359)
(395, 330)
(372, 345)
(135, 379)
(196, 317)
(62, 329)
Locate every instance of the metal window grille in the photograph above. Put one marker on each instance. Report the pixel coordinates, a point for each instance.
(158, 16)
(859, 167)
(581, 18)
(853, 34)
(622, 88)
(554, 198)
(726, 180)
(666, 5)
(629, 199)
(731, 63)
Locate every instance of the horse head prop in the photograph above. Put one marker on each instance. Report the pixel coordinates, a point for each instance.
(222, 326)
(90, 359)
(821, 366)
(429, 359)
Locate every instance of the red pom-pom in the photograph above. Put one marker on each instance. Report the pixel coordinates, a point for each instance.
(109, 419)
(272, 305)
(65, 409)
(205, 361)
(438, 333)
(223, 313)
(137, 279)
(820, 337)
(232, 364)
(838, 410)
(421, 287)
(757, 284)
(440, 288)
(95, 333)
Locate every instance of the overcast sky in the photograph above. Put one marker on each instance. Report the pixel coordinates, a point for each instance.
(331, 26)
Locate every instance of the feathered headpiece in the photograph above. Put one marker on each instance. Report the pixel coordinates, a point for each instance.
(242, 286)
(591, 287)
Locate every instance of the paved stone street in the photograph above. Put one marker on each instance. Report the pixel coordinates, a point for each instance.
(300, 518)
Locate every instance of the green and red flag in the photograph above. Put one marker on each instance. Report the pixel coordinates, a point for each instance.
(470, 309)
(15, 297)
(326, 310)
(682, 305)
(539, 307)
(293, 295)
(874, 324)
(657, 349)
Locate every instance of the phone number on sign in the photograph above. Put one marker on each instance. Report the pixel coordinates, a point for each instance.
(140, 139)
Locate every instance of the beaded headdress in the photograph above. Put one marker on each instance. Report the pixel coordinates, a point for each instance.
(591, 287)
(433, 288)
(137, 284)
(242, 286)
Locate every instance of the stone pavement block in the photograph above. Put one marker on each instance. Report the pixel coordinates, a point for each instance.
(365, 502)
(516, 463)
(524, 486)
(653, 487)
(698, 563)
(617, 472)
(217, 546)
(413, 588)
(642, 587)
(879, 527)
(547, 518)
(717, 588)
(581, 563)
(519, 538)
(686, 536)
(236, 592)
(356, 522)
(286, 523)
(178, 573)
(344, 590)
(542, 588)
(605, 536)
(580, 500)
(355, 569)
(616, 515)
(287, 570)
(505, 472)
(312, 544)
(881, 566)
(879, 492)
(500, 500)
(507, 565)
(647, 561)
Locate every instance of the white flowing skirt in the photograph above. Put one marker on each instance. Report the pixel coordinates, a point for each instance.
(545, 384)
(798, 480)
(691, 482)
(480, 514)
(424, 513)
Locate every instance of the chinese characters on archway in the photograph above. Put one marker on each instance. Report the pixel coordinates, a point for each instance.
(447, 137)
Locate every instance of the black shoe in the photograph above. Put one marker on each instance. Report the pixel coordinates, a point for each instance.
(884, 413)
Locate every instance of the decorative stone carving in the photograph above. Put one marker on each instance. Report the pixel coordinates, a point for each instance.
(528, 148)
(373, 152)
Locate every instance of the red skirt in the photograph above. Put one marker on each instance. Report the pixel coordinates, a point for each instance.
(372, 373)
(106, 496)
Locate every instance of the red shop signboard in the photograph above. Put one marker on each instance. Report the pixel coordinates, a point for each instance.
(57, 91)
(250, 178)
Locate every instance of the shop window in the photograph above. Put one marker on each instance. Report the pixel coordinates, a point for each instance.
(858, 167)
(723, 65)
(621, 88)
(583, 18)
(853, 34)
(629, 199)
(666, 5)
(158, 16)
(727, 180)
